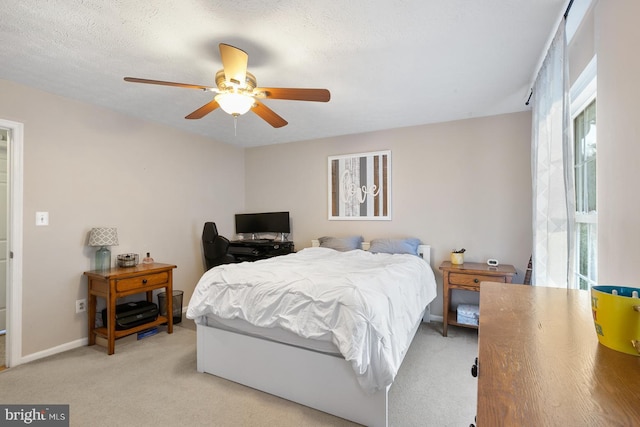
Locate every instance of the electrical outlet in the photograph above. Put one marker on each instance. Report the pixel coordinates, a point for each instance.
(81, 305)
(42, 218)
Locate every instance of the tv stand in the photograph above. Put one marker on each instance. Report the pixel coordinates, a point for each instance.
(254, 250)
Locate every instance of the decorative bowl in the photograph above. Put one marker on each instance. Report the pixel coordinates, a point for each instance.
(127, 260)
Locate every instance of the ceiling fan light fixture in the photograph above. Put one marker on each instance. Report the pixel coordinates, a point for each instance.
(239, 93)
(235, 104)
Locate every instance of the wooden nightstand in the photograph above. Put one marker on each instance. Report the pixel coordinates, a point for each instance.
(119, 282)
(468, 276)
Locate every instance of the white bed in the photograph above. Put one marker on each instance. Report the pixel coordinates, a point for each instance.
(268, 354)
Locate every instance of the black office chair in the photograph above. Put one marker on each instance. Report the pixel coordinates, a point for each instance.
(215, 247)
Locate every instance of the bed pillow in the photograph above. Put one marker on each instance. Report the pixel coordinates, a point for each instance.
(395, 246)
(342, 244)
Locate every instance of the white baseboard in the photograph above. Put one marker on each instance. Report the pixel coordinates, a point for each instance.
(85, 341)
(436, 318)
(51, 351)
(59, 349)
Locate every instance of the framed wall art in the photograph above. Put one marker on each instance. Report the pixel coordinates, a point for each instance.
(360, 186)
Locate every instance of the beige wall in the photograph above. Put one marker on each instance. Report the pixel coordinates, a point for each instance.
(457, 184)
(88, 167)
(616, 41)
(464, 183)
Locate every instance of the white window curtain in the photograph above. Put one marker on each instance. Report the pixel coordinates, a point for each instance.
(552, 170)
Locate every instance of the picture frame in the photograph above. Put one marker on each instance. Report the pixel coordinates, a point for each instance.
(360, 186)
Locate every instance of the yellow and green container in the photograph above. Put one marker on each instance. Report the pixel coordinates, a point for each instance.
(616, 316)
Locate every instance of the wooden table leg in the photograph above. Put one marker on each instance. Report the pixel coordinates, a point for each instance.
(111, 327)
(91, 314)
(445, 307)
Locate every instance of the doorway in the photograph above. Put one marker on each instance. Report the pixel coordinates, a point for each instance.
(11, 149)
(4, 211)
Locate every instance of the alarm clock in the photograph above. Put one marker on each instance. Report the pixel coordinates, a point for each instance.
(492, 262)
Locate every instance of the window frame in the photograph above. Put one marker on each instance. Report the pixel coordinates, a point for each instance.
(582, 94)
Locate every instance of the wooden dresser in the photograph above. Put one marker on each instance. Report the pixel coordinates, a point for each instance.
(540, 363)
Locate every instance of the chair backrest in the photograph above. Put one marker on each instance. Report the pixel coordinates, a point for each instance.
(215, 246)
(210, 232)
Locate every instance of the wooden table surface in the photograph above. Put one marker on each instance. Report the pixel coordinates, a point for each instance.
(540, 363)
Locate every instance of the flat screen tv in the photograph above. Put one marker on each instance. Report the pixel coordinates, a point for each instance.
(266, 222)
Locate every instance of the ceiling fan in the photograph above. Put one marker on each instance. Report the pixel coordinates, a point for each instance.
(237, 90)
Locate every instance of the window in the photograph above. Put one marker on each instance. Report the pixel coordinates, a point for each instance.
(583, 107)
(586, 220)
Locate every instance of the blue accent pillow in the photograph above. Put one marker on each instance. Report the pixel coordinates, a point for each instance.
(342, 244)
(395, 246)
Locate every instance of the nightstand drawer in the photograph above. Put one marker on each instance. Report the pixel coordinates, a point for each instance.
(473, 279)
(137, 282)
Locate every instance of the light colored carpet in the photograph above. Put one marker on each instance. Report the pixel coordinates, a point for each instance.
(154, 382)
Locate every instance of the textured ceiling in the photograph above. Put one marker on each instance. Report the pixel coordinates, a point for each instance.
(388, 64)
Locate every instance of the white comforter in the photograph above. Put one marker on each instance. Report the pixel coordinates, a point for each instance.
(367, 304)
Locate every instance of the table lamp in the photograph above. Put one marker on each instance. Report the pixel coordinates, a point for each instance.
(103, 237)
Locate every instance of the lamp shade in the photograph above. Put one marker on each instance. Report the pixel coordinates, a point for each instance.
(103, 236)
(235, 104)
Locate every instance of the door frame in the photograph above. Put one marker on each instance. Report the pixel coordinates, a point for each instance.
(15, 152)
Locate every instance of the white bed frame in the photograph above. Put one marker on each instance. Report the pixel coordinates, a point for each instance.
(318, 380)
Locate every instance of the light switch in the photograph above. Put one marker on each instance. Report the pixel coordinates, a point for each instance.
(42, 218)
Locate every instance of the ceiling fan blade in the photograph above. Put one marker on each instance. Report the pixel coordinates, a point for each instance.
(268, 115)
(204, 110)
(234, 62)
(319, 95)
(160, 82)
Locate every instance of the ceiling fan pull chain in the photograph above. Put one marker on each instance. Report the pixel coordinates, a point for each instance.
(235, 125)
